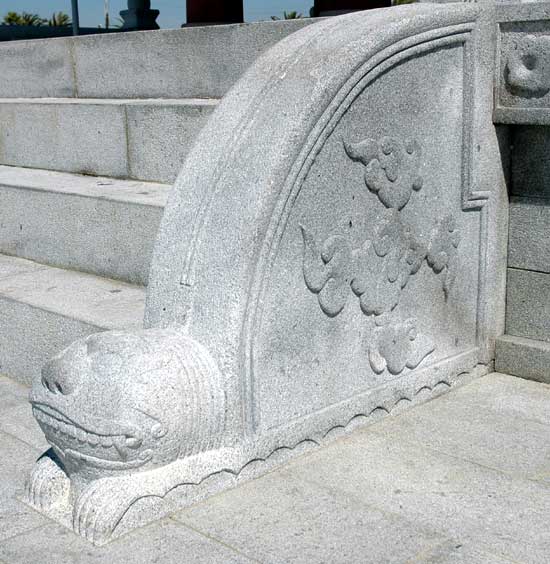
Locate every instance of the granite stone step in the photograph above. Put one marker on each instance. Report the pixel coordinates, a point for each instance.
(528, 304)
(172, 63)
(128, 138)
(523, 357)
(43, 309)
(99, 225)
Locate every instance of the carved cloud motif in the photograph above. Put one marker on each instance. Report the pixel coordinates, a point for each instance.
(328, 272)
(391, 168)
(527, 70)
(379, 270)
(442, 251)
(397, 347)
(384, 267)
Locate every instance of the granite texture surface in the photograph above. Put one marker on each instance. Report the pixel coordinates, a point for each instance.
(418, 504)
(330, 254)
(529, 238)
(176, 63)
(38, 68)
(99, 225)
(526, 358)
(44, 309)
(195, 61)
(529, 163)
(528, 304)
(146, 140)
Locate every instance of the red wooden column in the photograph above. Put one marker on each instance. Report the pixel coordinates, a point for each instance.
(334, 7)
(214, 11)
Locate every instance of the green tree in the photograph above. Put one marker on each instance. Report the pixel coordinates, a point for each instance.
(60, 19)
(289, 16)
(23, 18)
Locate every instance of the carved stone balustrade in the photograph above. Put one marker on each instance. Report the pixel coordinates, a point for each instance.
(331, 253)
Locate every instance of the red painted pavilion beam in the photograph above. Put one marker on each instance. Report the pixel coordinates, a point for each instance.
(327, 7)
(214, 11)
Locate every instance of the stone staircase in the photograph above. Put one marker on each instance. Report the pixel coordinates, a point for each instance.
(93, 131)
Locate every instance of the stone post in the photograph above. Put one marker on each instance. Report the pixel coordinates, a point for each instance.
(214, 11)
(337, 7)
(139, 16)
(75, 17)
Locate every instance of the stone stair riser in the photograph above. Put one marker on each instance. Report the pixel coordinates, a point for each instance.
(145, 141)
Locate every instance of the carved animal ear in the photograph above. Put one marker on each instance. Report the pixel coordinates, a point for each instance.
(412, 146)
(363, 151)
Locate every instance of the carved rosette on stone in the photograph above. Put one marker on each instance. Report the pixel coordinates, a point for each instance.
(527, 70)
(322, 260)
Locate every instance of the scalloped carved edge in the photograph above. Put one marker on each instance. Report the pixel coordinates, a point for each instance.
(227, 476)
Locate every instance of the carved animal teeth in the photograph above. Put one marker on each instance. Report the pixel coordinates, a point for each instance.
(105, 441)
(118, 443)
(92, 439)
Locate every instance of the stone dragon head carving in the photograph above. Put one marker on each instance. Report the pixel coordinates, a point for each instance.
(120, 402)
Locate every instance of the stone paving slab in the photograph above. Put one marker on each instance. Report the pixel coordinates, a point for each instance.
(471, 422)
(283, 518)
(15, 416)
(457, 499)
(16, 458)
(165, 542)
(456, 553)
(408, 489)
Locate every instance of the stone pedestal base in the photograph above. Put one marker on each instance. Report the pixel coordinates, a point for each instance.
(139, 16)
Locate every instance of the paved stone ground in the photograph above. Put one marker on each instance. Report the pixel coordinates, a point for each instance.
(463, 479)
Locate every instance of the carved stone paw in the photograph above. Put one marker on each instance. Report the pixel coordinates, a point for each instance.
(47, 485)
(99, 509)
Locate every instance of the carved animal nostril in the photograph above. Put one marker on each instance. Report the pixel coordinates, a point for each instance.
(46, 384)
(56, 385)
(62, 386)
(529, 61)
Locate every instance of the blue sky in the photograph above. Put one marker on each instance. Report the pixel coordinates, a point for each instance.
(172, 12)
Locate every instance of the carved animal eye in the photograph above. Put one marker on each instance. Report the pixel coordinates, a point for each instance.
(133, 442)
(410, 146)
(158, 431)
(386, 145)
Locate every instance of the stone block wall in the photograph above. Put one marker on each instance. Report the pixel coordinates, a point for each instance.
(525, 348)
(528, 311)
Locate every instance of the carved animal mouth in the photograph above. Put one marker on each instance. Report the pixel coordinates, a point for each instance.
(112, 451)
